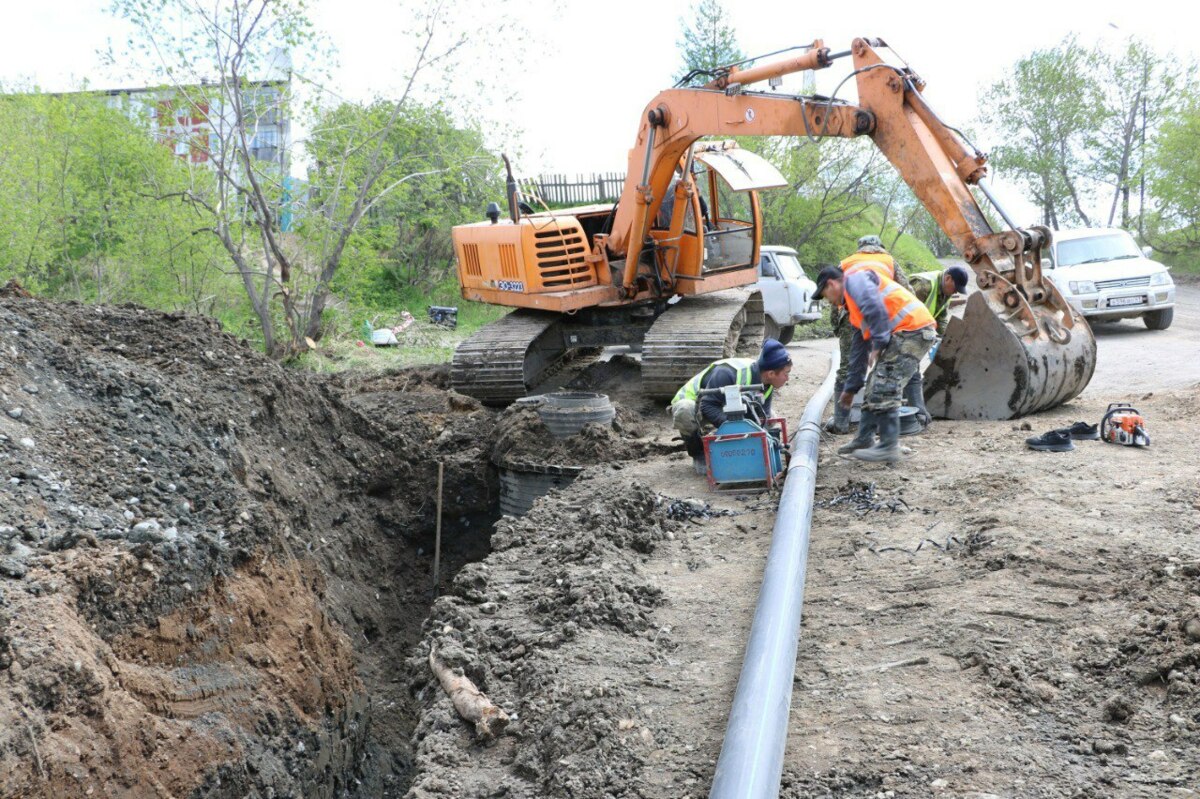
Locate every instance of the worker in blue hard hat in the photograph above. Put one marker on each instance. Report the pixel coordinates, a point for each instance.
(693, 414)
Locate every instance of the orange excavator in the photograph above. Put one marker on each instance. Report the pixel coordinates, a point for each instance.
(664, 269)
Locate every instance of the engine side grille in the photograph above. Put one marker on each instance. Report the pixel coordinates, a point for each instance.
(561, 257)
(508, 262)
(471, 260)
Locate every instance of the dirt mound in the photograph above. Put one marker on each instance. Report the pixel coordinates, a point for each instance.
(522, 437)
(209, 563)
(620, 377)
(515, 624)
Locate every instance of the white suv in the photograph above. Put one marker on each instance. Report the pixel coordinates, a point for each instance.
(1104, 276)
(787, 292)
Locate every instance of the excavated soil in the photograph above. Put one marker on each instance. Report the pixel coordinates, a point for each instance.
(215, 581)
(211, 566)
(984, 621)
(522, 437)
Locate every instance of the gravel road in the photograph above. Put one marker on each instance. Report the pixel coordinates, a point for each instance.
(1132, 359)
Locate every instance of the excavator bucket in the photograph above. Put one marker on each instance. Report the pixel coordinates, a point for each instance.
(997, 364)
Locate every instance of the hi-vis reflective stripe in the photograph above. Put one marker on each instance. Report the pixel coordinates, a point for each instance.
(900, 306)
(745, 376)
(905, 312)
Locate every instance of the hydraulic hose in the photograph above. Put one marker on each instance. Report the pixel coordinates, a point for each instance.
(751, 761)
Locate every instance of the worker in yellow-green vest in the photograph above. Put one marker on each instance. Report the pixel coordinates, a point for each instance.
(693, 414)
(936, 292)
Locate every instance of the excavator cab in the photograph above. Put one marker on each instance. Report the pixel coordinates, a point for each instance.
(720, 226)
(733, 177)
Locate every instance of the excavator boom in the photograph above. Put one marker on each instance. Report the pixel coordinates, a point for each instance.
(1018, 349)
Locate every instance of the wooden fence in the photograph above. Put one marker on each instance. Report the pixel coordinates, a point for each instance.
(600, 187)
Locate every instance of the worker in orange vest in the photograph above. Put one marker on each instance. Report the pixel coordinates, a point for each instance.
(895, 331)
(870, 255)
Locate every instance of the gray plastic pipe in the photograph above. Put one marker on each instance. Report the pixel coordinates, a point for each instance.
(751, 761)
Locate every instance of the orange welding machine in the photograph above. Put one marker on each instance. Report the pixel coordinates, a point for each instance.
(1123, 424)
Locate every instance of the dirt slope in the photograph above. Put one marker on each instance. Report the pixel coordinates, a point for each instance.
(207, 562)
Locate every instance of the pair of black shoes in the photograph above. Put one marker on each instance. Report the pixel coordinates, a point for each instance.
(1062, 439)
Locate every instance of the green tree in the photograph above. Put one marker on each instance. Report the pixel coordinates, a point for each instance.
(76, 220)
(707, 40)
(1136, 89)
(1044, 112)
(211, 58)
(1173, 227)
(441, 175)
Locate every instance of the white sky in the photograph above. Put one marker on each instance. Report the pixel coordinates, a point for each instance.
(581, 72)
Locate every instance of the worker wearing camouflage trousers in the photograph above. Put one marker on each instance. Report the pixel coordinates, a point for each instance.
(870, 256)
(840, 421)
(894, 330)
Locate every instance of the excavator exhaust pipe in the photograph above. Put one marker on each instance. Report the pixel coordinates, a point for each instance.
(996, 363)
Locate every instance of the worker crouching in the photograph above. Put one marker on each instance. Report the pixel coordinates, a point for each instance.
(693, 414)
(896, 331)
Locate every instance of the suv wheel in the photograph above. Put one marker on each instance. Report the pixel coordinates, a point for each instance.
(1159, 320)
(786, 333)
(772, 330)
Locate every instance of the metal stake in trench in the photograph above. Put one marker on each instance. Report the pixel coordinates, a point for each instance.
(437, 535)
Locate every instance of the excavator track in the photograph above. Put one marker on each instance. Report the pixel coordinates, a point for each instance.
(697, 331)
(503, 360)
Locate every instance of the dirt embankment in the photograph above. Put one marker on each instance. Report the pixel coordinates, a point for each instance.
(209, 565)
(553, 626)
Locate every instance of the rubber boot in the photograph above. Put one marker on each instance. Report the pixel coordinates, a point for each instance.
(694, 446)
(888, 448)
(839, 423)
(866, 434)
(914, 397)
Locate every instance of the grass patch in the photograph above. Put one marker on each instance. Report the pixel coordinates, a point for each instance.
(345, 347)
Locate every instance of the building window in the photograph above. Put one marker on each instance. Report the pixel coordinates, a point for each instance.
(266, 138)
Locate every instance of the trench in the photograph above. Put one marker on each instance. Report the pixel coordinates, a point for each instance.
(474, 500)
(471, 509)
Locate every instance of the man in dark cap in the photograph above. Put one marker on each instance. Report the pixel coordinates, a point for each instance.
(935, 291)
(895, 330)
(693, 414)
(870, 255)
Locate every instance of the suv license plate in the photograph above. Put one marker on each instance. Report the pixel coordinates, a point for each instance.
(1119, 301)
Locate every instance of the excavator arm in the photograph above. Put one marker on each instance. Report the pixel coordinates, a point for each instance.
(1019, 348)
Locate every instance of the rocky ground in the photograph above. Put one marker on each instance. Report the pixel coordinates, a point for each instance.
(215, 581)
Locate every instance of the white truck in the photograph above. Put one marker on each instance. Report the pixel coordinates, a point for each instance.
(787, 292)
(1105, 276)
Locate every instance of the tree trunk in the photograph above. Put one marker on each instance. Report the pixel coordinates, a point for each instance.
(1122, 182)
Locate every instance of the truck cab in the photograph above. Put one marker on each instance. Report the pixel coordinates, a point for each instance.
(1104, 275)
(787, 292)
